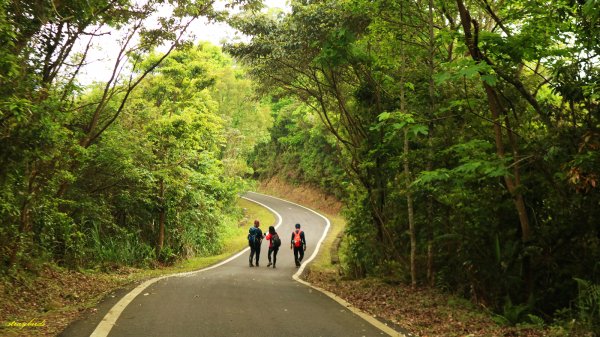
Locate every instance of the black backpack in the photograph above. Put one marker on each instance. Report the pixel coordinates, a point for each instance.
(276, 240)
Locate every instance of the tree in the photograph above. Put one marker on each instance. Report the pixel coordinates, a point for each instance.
(47, 124)
(505, 97)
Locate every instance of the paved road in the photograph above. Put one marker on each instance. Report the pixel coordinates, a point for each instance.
(236, 300)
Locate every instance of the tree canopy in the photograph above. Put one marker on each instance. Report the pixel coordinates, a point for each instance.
(133, 170)
(464, 136)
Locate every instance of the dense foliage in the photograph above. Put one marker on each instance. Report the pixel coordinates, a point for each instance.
(300, 148)
(132, 170)
(464, 137)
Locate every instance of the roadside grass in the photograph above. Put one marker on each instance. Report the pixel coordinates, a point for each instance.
(58, 296)
(235, 239)
(252, 211)
(323, 261)
(236, 236)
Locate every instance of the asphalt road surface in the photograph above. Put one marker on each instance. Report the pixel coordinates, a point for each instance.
(233, 299)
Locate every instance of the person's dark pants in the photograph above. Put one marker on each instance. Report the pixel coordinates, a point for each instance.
(274, 251)
(254, 250)
(298, 254)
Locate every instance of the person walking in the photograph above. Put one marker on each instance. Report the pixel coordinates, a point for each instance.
(298, 243)
(255, 236)
(274, 243)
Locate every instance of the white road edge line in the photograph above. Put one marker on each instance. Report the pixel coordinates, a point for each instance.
(279, 220)
(105, 326)
(373, 321)
(109, 320)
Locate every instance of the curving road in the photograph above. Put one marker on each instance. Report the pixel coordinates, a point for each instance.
(233, 299)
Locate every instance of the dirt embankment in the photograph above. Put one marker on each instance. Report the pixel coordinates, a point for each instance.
(304, 195)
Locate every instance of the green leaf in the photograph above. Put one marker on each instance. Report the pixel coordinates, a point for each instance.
(440, 78)
(419, 129)
(384, 116)
(489, 79)
(591, 8)
(399, 126)
(473, 69)
(469, 167)
(427, 177)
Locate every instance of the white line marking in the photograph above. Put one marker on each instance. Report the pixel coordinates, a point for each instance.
(375, 322)
(109, 320)
(267, 207)
(103, 328)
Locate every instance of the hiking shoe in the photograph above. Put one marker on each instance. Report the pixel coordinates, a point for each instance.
(273, 266)
(251, 265)
(269, 264)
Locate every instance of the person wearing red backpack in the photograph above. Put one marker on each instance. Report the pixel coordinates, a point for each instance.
(298, 243)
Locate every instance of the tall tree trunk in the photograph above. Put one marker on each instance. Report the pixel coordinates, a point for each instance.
(24, 219)
(431, 110)
(513, 184)
(430, 270)
(409, 198)
(411, 215)
(161, 217)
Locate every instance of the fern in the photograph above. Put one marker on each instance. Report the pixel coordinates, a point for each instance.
(588, 302)
(511, 314)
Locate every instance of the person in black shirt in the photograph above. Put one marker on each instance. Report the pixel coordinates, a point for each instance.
(298, 243)
(274, 243)
(255, 237)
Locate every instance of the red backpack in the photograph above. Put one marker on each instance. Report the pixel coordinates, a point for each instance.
(297, 239)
